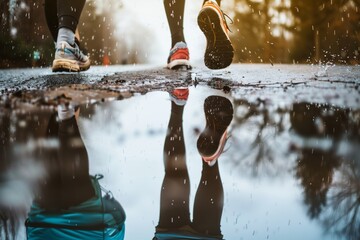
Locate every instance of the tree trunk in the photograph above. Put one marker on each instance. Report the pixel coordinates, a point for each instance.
(266, 29)
(5, 18)
(317, 57)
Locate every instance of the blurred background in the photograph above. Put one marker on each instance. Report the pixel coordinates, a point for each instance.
(136, 32)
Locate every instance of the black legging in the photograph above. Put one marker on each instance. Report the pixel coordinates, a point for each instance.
(174, 10)
(62, 13)
(175, 190)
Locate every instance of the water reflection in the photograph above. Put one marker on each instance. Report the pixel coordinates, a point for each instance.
(330, 177)
(311, 149)
(174, 219)
(18, 171)
(321, 142)
(264, 125)
(68, 202)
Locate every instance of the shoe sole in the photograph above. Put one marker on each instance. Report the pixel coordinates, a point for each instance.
(66, 65)
(179, 63)
(219, 114)
(219, 51)
(211, 160)
(84, 66)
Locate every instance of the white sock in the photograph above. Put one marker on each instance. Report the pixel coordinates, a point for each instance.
(65, 34)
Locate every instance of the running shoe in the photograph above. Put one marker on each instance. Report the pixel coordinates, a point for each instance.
(66, 111)
(70, 58)
(179, 95)
(219, 51)
(211, 142)
(179, 56)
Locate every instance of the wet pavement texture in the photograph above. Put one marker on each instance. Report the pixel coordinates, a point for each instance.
(290, 168)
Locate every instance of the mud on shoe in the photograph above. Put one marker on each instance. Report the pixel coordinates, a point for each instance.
(211, 142)
(219, 51)
(179, 56)
(70, 59)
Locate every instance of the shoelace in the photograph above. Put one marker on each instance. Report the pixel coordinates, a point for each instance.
(226, 24)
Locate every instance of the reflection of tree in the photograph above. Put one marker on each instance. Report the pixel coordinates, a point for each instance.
(315, 170)
(337, 199)
(17, 169)
(266, 122)
(9, 217)
(343, 216)
(320, 120)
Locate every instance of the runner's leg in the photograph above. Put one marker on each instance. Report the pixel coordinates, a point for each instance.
(175, 15)
(69, 12)
(50, 8)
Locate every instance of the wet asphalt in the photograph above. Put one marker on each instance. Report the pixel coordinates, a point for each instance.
(282, 84)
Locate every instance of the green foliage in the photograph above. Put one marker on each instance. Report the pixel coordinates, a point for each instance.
(14, 53)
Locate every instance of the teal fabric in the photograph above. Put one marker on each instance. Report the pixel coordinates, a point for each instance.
(179, 236)
(97, 218)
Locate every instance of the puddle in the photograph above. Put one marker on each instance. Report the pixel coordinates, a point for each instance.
(288, 171)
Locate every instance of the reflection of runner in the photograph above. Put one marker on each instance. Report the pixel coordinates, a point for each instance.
(219, 51)
(174, 219)
(62, 17)
(70, 204)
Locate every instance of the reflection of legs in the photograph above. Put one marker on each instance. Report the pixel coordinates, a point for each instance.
(74, 164)
(209, 201)
(68, 182)
(175, 191)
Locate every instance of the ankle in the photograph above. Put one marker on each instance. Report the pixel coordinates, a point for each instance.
(65, 35)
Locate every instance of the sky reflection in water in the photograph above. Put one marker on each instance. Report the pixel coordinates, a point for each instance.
(290, 172)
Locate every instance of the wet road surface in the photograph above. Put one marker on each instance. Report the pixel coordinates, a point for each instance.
(290, 168)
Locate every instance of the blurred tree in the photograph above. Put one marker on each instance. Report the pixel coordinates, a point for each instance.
(24, 33)
(96, 29)
(314, 23)
(342, 42)
(5, 18)
(255, 22)
(107, 36)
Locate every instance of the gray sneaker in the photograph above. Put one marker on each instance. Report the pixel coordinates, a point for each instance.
(70, 58)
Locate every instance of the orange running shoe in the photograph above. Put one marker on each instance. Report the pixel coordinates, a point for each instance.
(179, 95)
(219, 51)
(179, 56)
